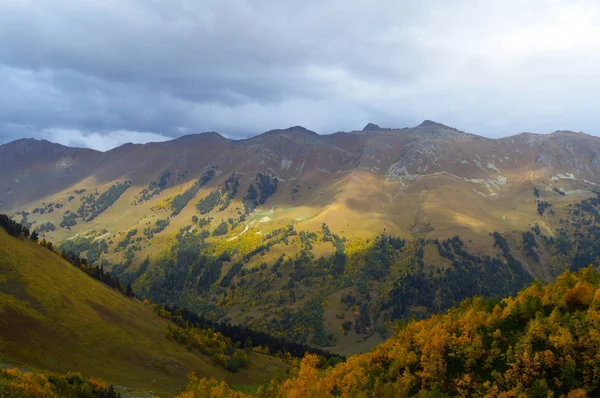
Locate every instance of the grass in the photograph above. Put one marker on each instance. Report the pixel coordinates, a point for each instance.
(359, 204)
(54, 317)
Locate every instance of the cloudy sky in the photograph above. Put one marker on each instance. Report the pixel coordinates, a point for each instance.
(101, 73)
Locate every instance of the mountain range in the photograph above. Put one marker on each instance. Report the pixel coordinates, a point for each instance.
(228, 228)
(396, 176)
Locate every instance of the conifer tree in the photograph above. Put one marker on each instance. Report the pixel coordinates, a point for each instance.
(129, 291)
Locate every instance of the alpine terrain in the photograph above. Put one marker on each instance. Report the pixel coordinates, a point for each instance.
(233, 258)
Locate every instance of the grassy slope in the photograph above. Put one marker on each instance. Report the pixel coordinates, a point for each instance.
(54, 317)
(358, 205)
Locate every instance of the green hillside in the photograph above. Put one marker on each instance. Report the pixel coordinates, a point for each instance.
(55, 317)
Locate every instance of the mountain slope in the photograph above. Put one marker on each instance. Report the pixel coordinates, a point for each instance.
(278, 230)
(55, 317)
(543, 342)
(395, 176)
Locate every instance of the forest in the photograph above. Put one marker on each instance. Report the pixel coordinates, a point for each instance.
(264, 186)
(245, 336)
(543, 342)
(181, 200)
(94, 204)
(191, 275)
(154, 188)
(18, 383)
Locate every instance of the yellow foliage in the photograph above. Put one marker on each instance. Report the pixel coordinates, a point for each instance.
(17, 383)
(209, 388)
(162, 205)
(578, 393)
(581, 294)
(543, 342)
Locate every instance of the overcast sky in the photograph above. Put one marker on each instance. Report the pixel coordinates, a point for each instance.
(102, 73)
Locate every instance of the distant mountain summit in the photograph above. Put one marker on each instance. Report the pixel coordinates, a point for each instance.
(371, 127)
(298, 130)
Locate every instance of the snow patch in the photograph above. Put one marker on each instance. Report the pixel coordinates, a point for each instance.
(479, 165)
(490, 184)
(493, 167)
(576, 192)
(396, 172)
(286, 164)
(568, 176)
(400, 174)
(64, 163)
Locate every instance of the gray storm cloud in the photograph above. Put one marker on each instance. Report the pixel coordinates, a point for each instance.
(100, 74)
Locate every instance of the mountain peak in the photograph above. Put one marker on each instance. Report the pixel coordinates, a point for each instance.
(427, 123)
(299, 129)
(29, 144)
(371, 127)
(568, 132)
(293, 129)
(436, 127)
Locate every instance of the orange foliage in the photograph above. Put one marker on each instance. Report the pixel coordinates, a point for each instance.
(581, 295)
(543, 342)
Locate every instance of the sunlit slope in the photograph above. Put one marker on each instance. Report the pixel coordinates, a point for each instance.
(358, 183)
(55, 317)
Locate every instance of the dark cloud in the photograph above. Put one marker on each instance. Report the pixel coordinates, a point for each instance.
(147, 69)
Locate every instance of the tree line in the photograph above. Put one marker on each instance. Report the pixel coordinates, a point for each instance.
(247, 336)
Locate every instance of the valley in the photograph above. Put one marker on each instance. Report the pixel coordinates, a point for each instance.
(329, 242)
(540, 342)
(294, 220)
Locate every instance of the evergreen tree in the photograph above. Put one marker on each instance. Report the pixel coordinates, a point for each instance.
(129, 291)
